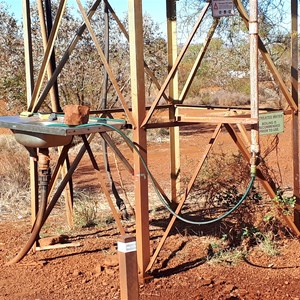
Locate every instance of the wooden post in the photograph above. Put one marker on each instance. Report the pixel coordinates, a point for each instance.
(173, 97)
(295, 115)
(128, 270)
(135, 24)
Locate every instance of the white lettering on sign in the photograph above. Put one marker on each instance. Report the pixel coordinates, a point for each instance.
(126, 247)
(222, 8)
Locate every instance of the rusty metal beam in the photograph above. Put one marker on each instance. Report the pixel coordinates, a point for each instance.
(295, 116)
(176, 64)
(183, 199)
(124, 31)
(105, 63)
(135, 24)
(198, 61)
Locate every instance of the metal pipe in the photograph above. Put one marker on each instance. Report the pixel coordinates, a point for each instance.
(119, 201)
(49, 21)
(28, 50)
(44, 177)
(254, 97)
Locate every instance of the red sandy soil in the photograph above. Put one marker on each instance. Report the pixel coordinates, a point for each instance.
(182, 270)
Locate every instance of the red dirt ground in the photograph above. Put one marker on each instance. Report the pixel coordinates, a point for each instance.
(182, 270)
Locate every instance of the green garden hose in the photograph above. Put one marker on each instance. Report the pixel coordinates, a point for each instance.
(161, 198)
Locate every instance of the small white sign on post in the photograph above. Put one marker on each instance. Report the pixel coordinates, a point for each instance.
(271, 123)
(222, 8)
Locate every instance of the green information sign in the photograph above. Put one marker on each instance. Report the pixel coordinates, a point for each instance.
(271, 123)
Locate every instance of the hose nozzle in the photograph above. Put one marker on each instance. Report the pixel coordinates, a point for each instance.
(253, 160)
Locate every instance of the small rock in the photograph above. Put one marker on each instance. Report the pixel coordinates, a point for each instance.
(85, 280)
(229, 288)
(286, 283)
(111, 261)
(109, 271)
(219, 282)
(76, 114)
(77, 273)
(99, 269)
(205, 282)
(156, 280)
(242, 292)
(53, 240)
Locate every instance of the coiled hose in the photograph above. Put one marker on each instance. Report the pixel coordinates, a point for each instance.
(160, 196)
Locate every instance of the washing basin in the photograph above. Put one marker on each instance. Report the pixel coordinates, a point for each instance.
(40, 140)
(36, 133)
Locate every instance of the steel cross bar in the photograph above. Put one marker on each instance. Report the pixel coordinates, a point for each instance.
(61, 159)
(65, 57)
(55, 98)
(183, 199)
(123, 29)
(47, 54)
(267, 58)
(198, 61)
(130, 169)
(105, 63)
(103, 185)
(51, 66)
(175, 66)
(62, 167)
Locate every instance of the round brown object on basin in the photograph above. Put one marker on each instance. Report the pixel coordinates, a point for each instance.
(76, 114)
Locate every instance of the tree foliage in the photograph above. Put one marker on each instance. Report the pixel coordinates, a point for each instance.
(12, 85)
(226, 64)
(224, 68)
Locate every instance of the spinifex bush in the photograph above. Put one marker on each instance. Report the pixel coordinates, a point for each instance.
(222, 180)
(221, 183)
(15, 180)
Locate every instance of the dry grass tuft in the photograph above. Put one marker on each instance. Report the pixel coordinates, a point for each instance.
(14, 184)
